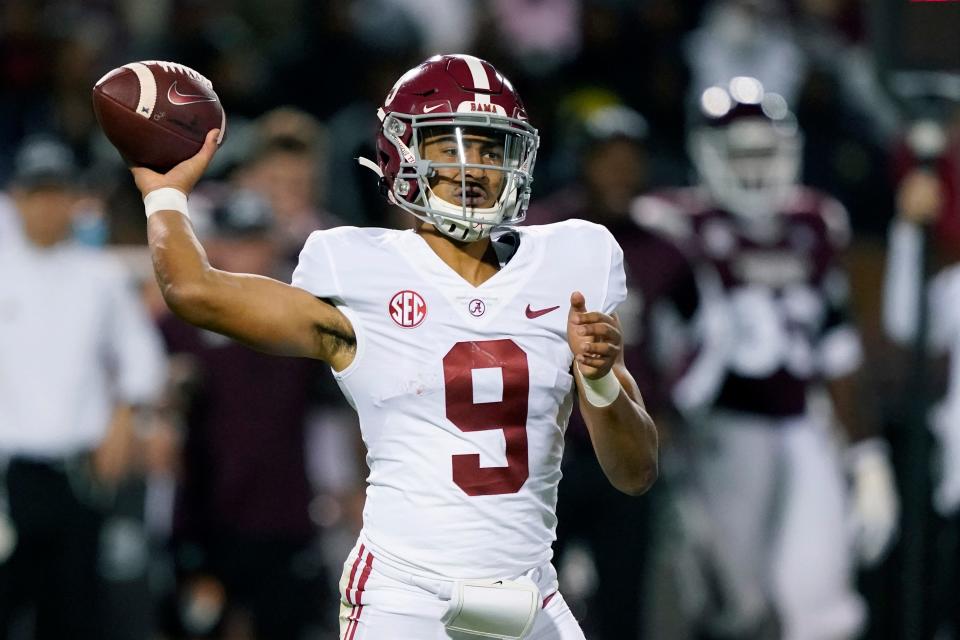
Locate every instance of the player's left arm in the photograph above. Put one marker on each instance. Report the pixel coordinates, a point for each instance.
(873, 501)
(624, 435)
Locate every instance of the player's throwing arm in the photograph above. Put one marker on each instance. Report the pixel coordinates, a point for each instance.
(167, 117)
(261, 312)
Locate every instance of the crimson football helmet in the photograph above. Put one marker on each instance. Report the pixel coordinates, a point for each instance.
(456, 99)
(747, 148)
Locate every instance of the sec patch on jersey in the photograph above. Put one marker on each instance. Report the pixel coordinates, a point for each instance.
(157, 114)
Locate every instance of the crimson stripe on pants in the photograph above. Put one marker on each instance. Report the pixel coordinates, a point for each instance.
(355, 621)
(363, 578)
(353, 573)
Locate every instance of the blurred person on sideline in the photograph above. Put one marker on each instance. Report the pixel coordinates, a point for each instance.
(460, 351)
(925, 198)
(764, 468)
(923, 270)
(80, 355)
(243, 541)
(607, 153)
(287, 168)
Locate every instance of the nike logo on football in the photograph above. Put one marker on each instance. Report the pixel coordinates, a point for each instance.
(181, 99)
(539, 312)
(433, 107)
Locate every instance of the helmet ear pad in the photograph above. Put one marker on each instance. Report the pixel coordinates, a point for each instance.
(389, 159)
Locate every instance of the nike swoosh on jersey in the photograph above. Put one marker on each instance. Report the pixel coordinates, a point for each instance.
(539, 312)
(181, 99)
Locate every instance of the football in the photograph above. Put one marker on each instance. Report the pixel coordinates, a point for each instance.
(157, 114)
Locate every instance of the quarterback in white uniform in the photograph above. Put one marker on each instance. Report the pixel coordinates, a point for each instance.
(459, 350)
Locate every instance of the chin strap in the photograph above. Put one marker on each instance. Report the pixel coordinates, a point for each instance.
(384, 188)
(370, 164)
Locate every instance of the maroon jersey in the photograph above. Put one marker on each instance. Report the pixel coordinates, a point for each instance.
(662, 284)
(779, 299)
(244, 465)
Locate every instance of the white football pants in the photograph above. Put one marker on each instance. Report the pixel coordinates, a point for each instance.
(376, 606)
(773, 494)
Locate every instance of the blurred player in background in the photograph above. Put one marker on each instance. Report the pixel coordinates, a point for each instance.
(79, 356)
(763, 464)
(243, 540)
(607, 144)
(459, 351)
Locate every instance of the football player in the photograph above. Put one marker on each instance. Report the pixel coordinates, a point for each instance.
(764, 467)
(460, 350)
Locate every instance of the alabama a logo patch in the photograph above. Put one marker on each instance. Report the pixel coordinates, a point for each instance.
(476, 307)
(407, 308)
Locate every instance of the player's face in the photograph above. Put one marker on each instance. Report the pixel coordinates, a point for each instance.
(473, 186)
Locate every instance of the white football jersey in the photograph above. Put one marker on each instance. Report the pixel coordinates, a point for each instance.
(463, 392)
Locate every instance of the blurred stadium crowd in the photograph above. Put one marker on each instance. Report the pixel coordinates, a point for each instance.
(226, 493)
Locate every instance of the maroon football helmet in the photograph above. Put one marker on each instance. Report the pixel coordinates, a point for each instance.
(456, 101)
(747, 148)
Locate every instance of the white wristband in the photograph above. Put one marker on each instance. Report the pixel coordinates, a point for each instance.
(602, 391)
(165, 199)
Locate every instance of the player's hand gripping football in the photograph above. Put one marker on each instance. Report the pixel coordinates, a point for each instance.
(182, 177)
(594, 338)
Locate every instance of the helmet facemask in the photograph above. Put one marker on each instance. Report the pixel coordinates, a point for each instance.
(464, 174)
(749, 167)
(748, 152)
